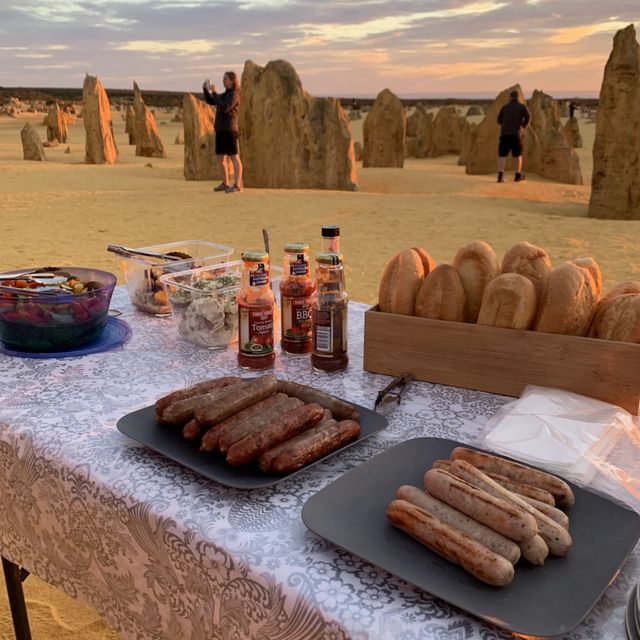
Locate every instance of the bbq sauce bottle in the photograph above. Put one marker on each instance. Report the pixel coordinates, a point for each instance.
(329, 306)
(256, 303)
(295, 298)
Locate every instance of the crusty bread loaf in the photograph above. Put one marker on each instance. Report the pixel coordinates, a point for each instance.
(529, 261)
(568, 302)
(628, 286)
(593, 268)
(428, 263)
(441, 296)
(400, 282)
(477, 265)
(618, 319)
(509, 301)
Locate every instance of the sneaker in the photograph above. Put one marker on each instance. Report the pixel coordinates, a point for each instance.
(500, 177)
(520, 177)
(233, 189)
(221, 187)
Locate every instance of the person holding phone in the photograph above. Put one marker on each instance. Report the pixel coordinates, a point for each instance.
(227, 106)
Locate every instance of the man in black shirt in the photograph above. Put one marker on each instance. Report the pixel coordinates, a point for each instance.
(513, 120)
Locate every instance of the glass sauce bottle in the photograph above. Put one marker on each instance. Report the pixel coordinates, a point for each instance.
(296, 288)
(255, 313)
(329, 312)
(331, 238)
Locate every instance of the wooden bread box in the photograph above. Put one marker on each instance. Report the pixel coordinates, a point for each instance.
(501, 361)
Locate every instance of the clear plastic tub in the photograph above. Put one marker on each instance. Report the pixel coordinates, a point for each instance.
(203, 302)
(142, 275)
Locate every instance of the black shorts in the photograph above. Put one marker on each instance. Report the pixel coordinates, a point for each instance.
(226, 143)
(510, 143)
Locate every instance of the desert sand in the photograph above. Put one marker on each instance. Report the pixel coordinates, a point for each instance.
(65, 212)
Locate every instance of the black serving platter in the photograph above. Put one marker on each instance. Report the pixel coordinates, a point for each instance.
(541, 601)
(142, 426)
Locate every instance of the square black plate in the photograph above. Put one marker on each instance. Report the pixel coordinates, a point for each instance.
(141, 425)
(541, 601)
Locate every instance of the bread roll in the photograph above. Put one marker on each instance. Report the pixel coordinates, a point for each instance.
(628, 286)
(568, 302)
(428, 263)
(529, 261)
(400, 282)
(593, 268)
(441, 296)
(509, 301)
(477, 264)
(618, 319)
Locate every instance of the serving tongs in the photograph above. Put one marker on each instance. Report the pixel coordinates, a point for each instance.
(395, 389)
(126, 252)
(33, 275)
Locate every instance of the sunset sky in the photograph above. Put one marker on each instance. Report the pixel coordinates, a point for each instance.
(339, 47)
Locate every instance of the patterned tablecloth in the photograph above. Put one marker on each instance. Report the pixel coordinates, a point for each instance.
(162, 553)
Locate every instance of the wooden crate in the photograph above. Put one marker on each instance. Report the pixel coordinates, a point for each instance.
(501, 361)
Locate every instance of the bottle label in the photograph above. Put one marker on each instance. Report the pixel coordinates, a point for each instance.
(330, 330)
(256, 331)
(296, 318)
(259, 276)
(300, 266)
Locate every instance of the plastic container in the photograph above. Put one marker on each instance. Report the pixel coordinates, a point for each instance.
(203, 302)
(142, 275)
(33, 321)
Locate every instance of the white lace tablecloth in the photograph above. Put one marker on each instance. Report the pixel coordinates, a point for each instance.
(164, 554)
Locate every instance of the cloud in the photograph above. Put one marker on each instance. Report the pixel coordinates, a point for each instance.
(569, 35)
(178, 47)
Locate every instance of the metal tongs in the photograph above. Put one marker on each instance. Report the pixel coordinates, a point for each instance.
(128, 253)
(394, 389)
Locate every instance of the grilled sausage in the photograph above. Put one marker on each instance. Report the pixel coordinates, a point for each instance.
(192, 430)
(456, 519)
(291, 424)
(341, 410)
(557, 538)
(558, 488)
(315, 444)
(265, 461)
(555, 514)
(212, 436)
(504, 517)
(534, 551)
(236, 400)
(454, 545)
(184, 410)
(194, 390)
(256, 422)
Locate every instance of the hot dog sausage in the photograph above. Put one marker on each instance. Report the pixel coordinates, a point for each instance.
(504, 517)
(341, 410)
(192, 430)
(450, 543)
(291, 424)
(559, 489)
(456, 519)
(534, 551)
(555, 514)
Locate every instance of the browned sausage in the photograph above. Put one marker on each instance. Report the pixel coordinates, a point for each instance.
(555, 514)
(256, 422)
(558, 488)
(286, 427)
(194, 390)
(341, 410)
(534, 551)
(312, 446)
(557, 537)
(211, 437)
(511, 521)
(450, 543)
(184, 410)
(236, 400)
(266, 459)
(192, 430)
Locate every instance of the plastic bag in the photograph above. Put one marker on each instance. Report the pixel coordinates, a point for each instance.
(592, 443)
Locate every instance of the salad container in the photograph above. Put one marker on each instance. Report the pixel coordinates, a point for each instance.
(142, 275)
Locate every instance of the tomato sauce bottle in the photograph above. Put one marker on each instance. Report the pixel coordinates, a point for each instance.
(296, 288)
(329, 306)
(256, 302)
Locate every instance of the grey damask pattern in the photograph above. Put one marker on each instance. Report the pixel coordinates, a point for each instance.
(164, 554)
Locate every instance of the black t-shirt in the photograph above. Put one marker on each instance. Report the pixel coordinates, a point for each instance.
(513, 117)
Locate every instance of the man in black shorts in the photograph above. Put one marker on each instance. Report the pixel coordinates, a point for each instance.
(513, 120)
(226, 125)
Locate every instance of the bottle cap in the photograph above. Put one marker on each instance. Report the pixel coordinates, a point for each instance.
(330, 231)
(296, 247)
(255, 256)
(329, 258)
